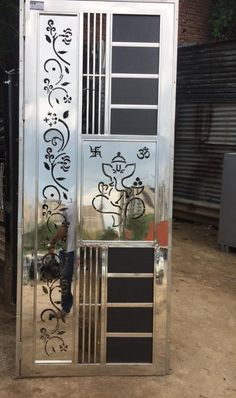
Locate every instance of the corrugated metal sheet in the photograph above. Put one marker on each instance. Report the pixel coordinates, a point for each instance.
(205, 120)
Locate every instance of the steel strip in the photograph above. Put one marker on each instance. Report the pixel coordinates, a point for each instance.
(108, 51)
(134, 44)
(88, 67)
(94, 70)
(99, 73)
(129, 275)
(96, 307)
(135, 75)
(103, 304)
(78, 183)
(84, 306)
(133, 106)
(90, 300)
(128, 334)
(129, 305)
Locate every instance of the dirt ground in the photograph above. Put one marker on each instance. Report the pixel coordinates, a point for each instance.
(203, 333)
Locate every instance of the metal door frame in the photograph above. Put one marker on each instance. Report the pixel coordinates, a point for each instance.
(168, 9)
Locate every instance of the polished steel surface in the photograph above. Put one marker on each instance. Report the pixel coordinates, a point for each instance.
(94, 72)
(56, 156)
(118, 190)
(70, 168)
(90, 305)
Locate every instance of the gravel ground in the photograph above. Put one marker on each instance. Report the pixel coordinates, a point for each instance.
(203, 331)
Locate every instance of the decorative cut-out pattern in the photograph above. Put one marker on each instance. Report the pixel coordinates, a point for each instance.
(118, 198)
(57, 162)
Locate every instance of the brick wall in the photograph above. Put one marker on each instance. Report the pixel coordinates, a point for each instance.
(194, 21)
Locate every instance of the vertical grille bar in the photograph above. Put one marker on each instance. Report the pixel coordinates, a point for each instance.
(103, 305)
(107, 74)
(89, 341)
(88, 70)
(94, 71)
(100, 72)
(96, 306)
(90, 274)
(84, 306)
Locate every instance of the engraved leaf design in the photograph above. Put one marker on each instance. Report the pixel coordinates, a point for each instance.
(61, 332)
(62, 52)
(45, 290)
(46, 165)
(65, 195)
(60, 178)
(66, 114)
(65, 84)
(48, 39)
(67, 69)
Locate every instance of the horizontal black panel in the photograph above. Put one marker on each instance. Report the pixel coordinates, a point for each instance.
(134, 121)
(130, 290)
(134, 91)
(129, 350)
(135, 60)
(136, 28)
(130, 259)
(139, 320)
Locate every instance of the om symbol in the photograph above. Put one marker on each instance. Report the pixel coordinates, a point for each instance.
(143, 153)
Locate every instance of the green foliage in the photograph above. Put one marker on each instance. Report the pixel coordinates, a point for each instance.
(109, 234)
(139, 227)
(223, 19)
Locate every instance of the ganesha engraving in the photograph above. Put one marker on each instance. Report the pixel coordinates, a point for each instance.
(119, 195)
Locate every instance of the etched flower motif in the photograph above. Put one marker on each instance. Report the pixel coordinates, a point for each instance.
(67, 99)
(48, 87)
(51, 28)
(67, 36)
(65, 163)
(51, 119)
(63, 347)
(49, 155)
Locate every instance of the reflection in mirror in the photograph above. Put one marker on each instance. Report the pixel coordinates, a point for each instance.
(119, 190)
(160, 260)
(54, 274)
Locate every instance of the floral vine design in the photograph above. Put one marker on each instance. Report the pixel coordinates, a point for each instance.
(57, 163)
(58, 65)
(50, 275)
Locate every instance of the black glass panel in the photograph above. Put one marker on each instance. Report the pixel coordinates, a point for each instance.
(136, 28)
(134, 121)
(129, 350)
(130, 290)
(135, 60)
(134, 91)
(137, 320)
(130, 259)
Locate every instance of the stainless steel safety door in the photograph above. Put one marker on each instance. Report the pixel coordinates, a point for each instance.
(96, 162)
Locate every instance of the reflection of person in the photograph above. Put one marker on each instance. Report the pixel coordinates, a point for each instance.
(65, 233)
